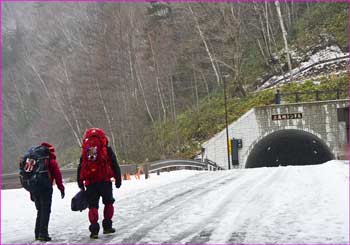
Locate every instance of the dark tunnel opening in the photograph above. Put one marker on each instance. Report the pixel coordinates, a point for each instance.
(289, 147)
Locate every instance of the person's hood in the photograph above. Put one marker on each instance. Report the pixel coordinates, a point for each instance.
(51, 148)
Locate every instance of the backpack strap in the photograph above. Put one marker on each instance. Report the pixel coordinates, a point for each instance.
(47, 166)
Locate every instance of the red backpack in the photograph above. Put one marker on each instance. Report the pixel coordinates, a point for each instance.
(96, 163)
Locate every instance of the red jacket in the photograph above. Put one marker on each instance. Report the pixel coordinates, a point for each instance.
(112, 171)
(54, 170)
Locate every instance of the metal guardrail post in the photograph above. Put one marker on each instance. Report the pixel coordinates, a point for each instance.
(146, 169)
(277, 97)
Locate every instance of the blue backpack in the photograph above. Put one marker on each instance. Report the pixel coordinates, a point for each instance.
(33, 172)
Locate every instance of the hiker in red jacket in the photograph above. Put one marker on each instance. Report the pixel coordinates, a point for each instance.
(98, 164)
(41, 194)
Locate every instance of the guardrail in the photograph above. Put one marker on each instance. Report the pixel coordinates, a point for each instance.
(10, 181)
(338, 93)
(168, 164)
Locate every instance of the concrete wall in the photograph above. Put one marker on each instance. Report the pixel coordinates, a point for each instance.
(318, 118)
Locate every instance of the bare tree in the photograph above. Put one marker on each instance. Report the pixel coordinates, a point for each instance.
(201, 34)
(284, 34)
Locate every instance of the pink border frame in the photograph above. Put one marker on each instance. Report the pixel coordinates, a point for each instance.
(134, 1)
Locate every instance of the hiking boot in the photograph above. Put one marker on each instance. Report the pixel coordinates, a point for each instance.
(108, 230)
(94, 229)
(44, 238)
(107, 226)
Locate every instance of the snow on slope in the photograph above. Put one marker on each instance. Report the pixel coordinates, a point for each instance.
(323, 58)
(293, 204)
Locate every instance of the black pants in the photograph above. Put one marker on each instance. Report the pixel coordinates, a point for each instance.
(97, 190)
(43, 202)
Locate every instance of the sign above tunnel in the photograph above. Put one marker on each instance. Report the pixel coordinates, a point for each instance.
(287, 116)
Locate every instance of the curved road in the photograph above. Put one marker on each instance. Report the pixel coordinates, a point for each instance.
(304, 204)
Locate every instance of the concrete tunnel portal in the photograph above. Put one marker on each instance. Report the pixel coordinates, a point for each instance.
(289, 147)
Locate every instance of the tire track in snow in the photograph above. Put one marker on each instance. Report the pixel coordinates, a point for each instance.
(169, 207)
(136, 213)
(246, 192)
(168, 185)
(132, 210)
(247, 218)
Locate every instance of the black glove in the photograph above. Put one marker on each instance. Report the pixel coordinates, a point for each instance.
(118, 183)
(31, 197)
(81, 186)
(62, 193)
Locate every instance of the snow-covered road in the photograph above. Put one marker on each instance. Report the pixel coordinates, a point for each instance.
(304, 204)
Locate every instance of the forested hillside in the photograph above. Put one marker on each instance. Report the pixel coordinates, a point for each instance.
(150, 74)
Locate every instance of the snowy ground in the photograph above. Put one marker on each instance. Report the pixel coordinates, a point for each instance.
(304, 204)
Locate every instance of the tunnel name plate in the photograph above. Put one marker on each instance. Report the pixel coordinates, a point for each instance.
(287, 116)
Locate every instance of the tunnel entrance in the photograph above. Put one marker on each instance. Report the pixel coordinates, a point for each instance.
(289, 147)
